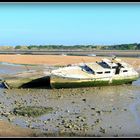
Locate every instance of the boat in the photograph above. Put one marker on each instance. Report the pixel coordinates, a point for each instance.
(112, 71)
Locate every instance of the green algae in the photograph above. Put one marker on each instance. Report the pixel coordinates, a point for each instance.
(74, 84)
(78, 84)
(32, 111)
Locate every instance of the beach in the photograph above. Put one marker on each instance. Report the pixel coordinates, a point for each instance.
(8, 130)
(59, 59)
(58, 72)
(104, 111)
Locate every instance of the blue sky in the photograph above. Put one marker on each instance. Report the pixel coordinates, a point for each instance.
(69, 24)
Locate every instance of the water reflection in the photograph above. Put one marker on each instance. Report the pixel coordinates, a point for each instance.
(136, 83)
(133, 108)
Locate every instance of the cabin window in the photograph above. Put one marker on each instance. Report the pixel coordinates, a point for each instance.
(103, 64)
(107, 71)
(125, 70)
(99, 72)
(87, 69)
(114, 67)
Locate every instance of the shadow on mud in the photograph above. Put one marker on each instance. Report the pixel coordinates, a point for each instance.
(40, 83)
(43, 82)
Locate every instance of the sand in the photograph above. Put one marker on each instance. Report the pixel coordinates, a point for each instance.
(8, 130)
(58, 59)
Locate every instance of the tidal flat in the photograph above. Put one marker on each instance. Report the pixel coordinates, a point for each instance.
(102, 112)
(108, 111)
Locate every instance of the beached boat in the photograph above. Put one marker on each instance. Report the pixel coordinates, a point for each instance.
(27, 79)
(106, 72)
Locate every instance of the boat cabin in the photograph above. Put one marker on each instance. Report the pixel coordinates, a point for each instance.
(106, 66)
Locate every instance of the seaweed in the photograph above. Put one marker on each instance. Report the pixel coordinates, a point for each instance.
(32, 111)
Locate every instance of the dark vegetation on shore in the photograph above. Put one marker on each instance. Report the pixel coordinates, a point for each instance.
(133, 46)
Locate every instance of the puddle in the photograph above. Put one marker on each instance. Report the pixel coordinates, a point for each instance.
(9, 64)
(134, 106)
(136, 83)
(134, 111)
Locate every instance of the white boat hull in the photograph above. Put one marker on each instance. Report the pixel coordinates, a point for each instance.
(64, 82)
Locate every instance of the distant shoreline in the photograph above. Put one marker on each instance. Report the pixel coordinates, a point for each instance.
(59, 60)
(77, 52)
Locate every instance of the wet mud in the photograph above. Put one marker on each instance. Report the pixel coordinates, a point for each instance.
(111, 111)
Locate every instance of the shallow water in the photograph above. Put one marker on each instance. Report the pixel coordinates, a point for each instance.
(96, 111)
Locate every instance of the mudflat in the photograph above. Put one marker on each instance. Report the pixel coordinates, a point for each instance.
(9, 130)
